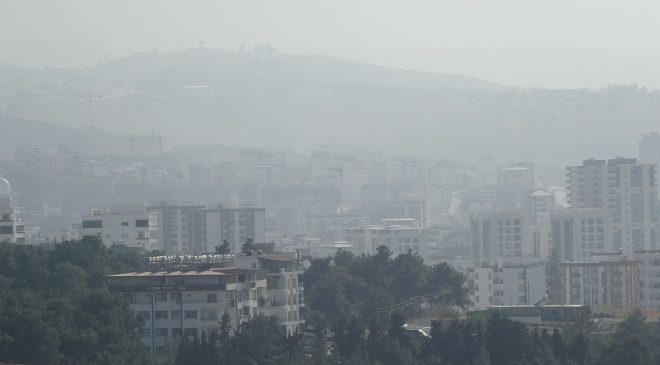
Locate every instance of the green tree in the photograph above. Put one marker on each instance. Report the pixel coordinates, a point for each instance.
(224, 248)
(248, 246)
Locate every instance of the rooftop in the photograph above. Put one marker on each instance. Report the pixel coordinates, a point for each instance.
(211, 272)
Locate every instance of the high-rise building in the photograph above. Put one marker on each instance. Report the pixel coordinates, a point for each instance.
(12, 224)
(579, 234)
(538, 203)
(649, 148)
(181, 227)
(626, 187)
(126, 224)
(514, 182)
(236, 225)
(499, 235)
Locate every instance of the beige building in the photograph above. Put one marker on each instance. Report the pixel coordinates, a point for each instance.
(600, 285)
(649, 278)
(188, 303)
(284, 290)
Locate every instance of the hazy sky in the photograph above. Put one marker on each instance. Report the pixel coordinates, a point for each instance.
(558, 43)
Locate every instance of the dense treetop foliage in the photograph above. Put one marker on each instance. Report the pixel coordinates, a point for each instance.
(54, 308)
(351, 286)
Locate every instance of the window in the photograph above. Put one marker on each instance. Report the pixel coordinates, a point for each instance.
(161, 350)
(6, 229)
(209, 315)
(211, 298)
(191, 314)
(177, 332)
(144, 332)
(124, 224)
(142, 223)
(176, 315)
(129, 297)
(231, 298)
(175, 297)
(160, 315)
(92, 224)
(161, 332)
(190, 332)
(144, 315)
(160, 297)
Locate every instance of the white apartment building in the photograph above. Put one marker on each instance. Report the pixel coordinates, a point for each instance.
(397, 238)
(12, 223)
(187, 303)
(128, 224)
(626, 187)
(579, 234)
(523, 284)
(482, 288)
(499, 235)
(284, 290)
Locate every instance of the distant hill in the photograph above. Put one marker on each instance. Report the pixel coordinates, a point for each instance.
(198, 65)
(266, 99)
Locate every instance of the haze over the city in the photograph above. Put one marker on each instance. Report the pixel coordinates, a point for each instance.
(308, 182)
(553, 44)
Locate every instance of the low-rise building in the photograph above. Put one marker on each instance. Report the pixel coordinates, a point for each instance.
(397, 238)
(649, 278)
(188, 303)
(601, 285)
(482, 288)
(523, 284)
(284, 291)
(12, 223)
(129, 224)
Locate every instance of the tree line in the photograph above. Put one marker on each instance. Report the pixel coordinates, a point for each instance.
(54, 309)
